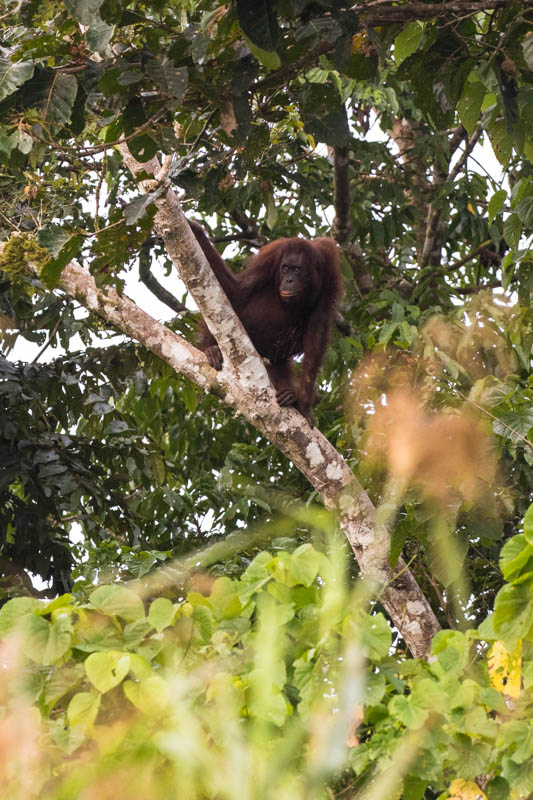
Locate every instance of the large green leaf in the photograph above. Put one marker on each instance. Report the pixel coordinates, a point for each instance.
(83, 708)
(107, 670)
(169, 79)
(258, 20)
(13, 75)
(528, 525)
(496, 203)
(516, 560)
(117, 601)
(60, 97)
(524, 209)
(303, 565)
(14, 611)
(513, 610)
(150, 695)
(500, 141)
(161, 613)
(512, 230)
(407, 41)
(46, 642)
(469, 106)
(324, 115)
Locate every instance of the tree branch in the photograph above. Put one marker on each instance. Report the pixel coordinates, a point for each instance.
(391, 13)
(341, 194)
(151, 283)
(434, 213)
(249, 228)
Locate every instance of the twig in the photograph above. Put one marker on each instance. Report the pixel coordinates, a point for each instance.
(341, 194)
(468, 149)
(494, 417)
(477, 289)
(100, 148)
(387, 15)
(151, 282)
(469, 256)
(50, 337)
(434, 213)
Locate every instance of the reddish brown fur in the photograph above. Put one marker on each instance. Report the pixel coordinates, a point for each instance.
(281, 327)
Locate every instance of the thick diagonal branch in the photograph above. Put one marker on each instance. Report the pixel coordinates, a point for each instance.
(242, 384)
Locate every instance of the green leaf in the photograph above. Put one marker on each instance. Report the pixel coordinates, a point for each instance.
(138, 208)
(140, 667)
(13, 75)
(414, 788)
(501, 142)
(83, 708)
(376, 636)
(407, 41)
(149, 695)
(268, 58)
(360, 66)
(107, 670)
(303, 565)
(412, 712)
(516, 559)
(169, 79)
(117, 601)
(203, 618)
(61, 682)
(60, 97)
(470, 758)
(93, 638)
(46, 642)
(259, 22)
(135, 632)
(375, 687)
(527, 49)
(512, 230)
(496, 203)
(256, 576)
(524, 209)
(13, 612)
(98, 36)
(22, 141)
(267, 702)
(142, 147)
(497, 789)
(522, 188)
(469, 106)
(7, 143)
(323, 118)
(224, 598)
(513, 610)
(528, 528)
(53, 238)
(161, 613)
(514, 424)
(51, 272)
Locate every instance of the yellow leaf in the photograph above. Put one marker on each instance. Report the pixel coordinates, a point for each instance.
(465, 790)
(505, 668)
(358, 43)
